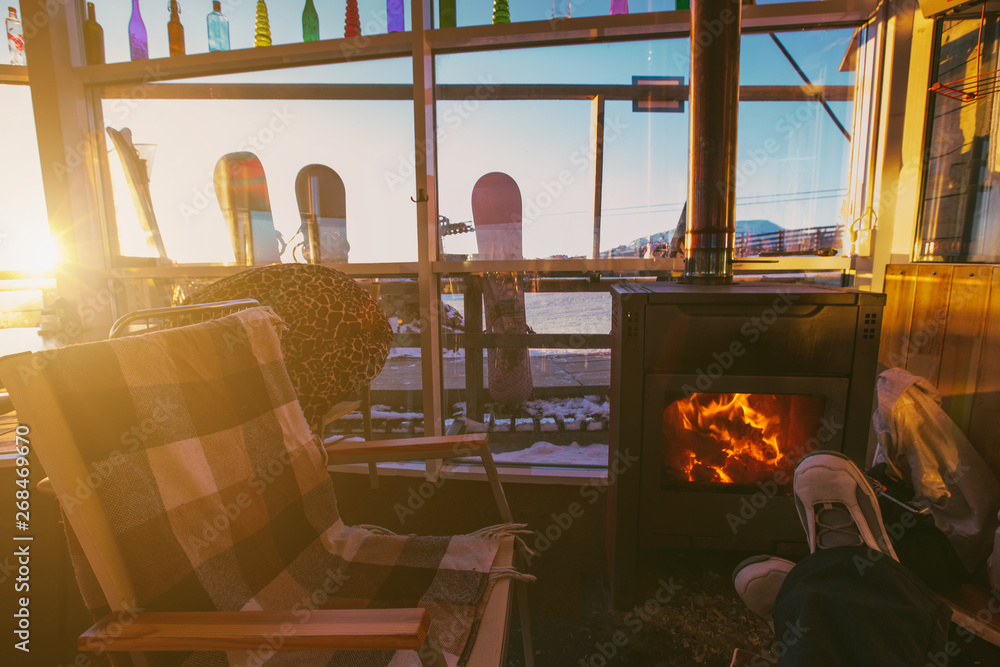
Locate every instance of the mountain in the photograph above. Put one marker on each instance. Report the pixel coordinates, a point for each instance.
(755, 227)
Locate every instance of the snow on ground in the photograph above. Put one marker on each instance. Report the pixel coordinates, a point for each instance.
(576, 408)
(545, 453)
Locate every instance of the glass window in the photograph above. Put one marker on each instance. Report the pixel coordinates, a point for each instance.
(793, 149)
(544, 404)
(958, 221)
(25, 244)
(481, 13)
(367, 143)
(792, 157)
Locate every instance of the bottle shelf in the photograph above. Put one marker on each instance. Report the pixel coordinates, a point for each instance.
(249, 59)
(621, 27)
(14, 74)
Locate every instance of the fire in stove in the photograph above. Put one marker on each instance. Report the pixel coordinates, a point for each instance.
(736, 438)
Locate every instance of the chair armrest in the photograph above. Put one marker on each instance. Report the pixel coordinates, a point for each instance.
(431, 447)
(351, 629)
(407, 449)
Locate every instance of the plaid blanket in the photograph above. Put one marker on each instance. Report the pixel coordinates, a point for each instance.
(218, 494)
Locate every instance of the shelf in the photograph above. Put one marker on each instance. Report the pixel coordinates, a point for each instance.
(591, 29)
(517, 91)
(14, 74)
(397, 44)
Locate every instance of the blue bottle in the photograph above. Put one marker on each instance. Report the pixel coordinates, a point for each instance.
(218, 29)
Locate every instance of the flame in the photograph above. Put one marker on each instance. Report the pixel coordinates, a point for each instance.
(734, 438)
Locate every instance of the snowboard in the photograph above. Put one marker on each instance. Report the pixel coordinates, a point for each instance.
(322, 201)
(241, 186)
(137, 177)
(496, 212)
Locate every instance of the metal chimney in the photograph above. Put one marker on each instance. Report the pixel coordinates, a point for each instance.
(714, 96)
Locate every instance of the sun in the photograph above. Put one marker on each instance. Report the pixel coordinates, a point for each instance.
(40, 255)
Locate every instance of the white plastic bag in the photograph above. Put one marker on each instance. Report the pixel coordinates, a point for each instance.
(924, 447)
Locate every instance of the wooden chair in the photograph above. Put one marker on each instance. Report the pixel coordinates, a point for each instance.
(54, 441)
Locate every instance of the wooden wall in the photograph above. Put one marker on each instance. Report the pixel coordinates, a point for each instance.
(942, 322)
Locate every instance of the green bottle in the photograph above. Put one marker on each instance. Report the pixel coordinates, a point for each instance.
(310, 23)
(501, 12)
(446, 12)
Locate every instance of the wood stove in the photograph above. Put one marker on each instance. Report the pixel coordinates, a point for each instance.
(718, 391)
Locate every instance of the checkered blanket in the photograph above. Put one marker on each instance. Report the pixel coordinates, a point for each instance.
(219, 498)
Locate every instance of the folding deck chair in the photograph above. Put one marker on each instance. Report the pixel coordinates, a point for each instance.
(232, 425)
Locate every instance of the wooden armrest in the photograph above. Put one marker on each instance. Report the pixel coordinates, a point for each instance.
(431, 447)
(407, 449)
(352, 629)
(44, 486)
(341, 409)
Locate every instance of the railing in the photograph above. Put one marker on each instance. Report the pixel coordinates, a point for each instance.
(811, 239)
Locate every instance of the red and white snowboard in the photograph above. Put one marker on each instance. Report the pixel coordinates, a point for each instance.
(241, 187)
(496, 212)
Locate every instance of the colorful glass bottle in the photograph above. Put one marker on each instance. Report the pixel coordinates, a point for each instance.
(683, 4)
(395, 15)
(218, 29)
(93, 38)
(175, 31)
(561, 9)
(15, 38)
(352, 22)
(501, 12)
(621, 6)
(262, 33)
(446, 13)
(310, 23)
(138, 41)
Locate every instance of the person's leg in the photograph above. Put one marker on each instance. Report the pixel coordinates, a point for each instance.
(856, 606)
(849, 602)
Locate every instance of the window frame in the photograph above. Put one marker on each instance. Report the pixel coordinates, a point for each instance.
(421, 46)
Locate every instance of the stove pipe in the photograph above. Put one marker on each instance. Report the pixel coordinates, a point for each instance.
(714, 97)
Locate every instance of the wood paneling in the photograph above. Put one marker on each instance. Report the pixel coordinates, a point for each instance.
(984, 428)
(927, 324)
(963, 341)
(942, 322)
(900, 284)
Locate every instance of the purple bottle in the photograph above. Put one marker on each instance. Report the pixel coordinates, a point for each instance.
(396, 17)
(619, 7)
(137, 40)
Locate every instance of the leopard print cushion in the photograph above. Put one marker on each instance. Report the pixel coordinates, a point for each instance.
(338, 336)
